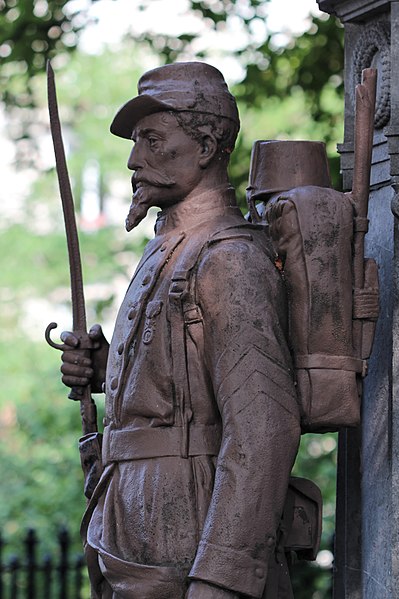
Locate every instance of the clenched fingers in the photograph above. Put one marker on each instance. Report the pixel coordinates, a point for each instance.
(76, 369)
(73, 357)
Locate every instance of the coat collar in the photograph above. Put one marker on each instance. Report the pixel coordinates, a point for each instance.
(195, 210)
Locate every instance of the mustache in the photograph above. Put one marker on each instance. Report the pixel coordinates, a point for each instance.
(141, 200)
(155, 179)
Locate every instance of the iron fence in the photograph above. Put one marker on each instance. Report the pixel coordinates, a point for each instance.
(59, 576)
(62, 575)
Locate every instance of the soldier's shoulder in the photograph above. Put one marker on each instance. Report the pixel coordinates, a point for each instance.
(244, 240)
(244, 250)
(228, 242)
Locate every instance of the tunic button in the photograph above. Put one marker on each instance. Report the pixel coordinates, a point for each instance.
(259, 573)
(132, 314)
(270, 541)
(146, 280)
(121, 347)
(163, 247)
(114, 384)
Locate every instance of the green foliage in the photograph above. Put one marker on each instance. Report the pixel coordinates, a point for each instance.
(38, 445)
(215, 13)
(32, 31)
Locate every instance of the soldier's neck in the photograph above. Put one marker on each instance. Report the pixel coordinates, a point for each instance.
(196, 208)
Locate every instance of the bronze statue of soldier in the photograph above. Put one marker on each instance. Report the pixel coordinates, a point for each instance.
(202, 422)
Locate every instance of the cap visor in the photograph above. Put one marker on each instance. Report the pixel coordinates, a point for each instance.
(133, 111)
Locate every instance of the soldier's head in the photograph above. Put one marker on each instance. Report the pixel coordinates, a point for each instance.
(184, 123)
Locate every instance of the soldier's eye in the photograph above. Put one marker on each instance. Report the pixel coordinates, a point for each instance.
(152, 141)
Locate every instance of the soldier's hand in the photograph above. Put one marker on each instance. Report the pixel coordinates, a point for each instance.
(203, 590)
(81, 367)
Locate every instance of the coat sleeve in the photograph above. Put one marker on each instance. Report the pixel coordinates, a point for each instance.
(242, 299)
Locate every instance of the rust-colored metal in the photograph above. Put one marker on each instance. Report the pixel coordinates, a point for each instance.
(83, 394)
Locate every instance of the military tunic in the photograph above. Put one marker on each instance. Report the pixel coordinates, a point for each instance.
(196, 491)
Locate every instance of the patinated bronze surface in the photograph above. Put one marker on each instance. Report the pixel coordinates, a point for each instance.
(202, 422)
(318, 234)
(231, 338)
(314, 230)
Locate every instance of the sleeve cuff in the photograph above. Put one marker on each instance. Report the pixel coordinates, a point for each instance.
(231, 569)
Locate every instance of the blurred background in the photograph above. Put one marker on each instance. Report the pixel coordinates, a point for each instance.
(283, 60)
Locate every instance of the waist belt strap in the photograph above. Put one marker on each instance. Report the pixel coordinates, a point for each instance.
(142, 443)
(326, 361)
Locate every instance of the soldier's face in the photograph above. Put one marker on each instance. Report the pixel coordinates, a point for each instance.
(165, 160)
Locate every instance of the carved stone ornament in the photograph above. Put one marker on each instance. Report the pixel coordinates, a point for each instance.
(374, 46)
(352, 10)
(395, 199)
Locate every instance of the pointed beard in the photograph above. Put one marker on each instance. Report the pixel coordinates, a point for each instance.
(141, 200)
(137, 211)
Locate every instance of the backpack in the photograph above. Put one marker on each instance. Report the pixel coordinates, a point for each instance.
(312, 229)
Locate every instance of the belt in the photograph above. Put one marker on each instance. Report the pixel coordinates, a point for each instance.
(142, 443)
(329, 362)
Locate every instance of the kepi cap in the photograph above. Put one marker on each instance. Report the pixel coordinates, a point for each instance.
(181, 87)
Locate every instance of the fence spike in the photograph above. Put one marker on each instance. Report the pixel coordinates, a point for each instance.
(47, 574)
(31, 565)
(14, 567)
(80, 562)
(64, 541)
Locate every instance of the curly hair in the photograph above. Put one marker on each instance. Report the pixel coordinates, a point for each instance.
(198, 124)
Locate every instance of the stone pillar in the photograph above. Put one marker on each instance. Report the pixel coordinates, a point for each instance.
(367, 543)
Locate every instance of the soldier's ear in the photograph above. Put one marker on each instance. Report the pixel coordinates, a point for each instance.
(208, 149)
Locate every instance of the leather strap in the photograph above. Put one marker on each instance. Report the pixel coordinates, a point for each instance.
(366, 304)
(178, 289)
(328, 362)
(183, 312)
(361, 224)
(142, 443)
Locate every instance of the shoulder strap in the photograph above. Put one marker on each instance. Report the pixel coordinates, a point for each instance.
(180, 302)
(186, 318)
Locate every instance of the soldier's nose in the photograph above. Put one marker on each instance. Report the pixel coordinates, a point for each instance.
(135, 161)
